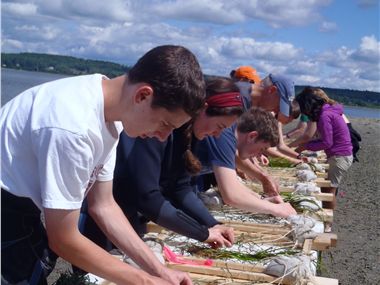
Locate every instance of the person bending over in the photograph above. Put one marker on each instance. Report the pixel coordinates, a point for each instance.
(255, 131)
(58, 145)
(152, 178)
(333, 131)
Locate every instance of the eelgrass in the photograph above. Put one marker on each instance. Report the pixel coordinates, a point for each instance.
(297, 200)
(225, 254)
(280, 162)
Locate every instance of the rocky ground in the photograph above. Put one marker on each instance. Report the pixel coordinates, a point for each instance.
(356, 259)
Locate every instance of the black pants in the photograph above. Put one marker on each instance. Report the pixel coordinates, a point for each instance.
(25, 255)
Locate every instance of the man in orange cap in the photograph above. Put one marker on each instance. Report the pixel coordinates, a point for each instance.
(247, 73)
(244, 77)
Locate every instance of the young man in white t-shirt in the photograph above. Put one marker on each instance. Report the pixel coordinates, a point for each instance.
(58, 143)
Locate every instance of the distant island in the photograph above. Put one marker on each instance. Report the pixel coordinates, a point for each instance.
(76, 66)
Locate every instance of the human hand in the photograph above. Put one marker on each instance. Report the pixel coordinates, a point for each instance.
(305, 159)
(300, 148)
(241, 174)
(275, 199)
(270, 186)
(283, 210)
(264, 160)
(220, 236)
(173, 277)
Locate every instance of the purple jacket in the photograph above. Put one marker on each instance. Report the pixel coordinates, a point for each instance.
(334, 134)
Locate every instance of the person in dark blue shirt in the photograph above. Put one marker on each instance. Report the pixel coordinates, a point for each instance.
(254, 133)
(152, 179)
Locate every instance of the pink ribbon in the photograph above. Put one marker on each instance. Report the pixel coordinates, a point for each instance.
(172, 257)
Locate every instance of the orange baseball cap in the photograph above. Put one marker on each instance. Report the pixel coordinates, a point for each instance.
(247, 72)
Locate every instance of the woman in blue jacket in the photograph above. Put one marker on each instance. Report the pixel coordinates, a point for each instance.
(152, 178)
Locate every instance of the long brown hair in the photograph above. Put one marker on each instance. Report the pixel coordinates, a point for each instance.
(214, 87)
(311, 101)
(319, 92)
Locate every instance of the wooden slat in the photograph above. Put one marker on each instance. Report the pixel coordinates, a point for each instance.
(213, 280)
(324, 241)
(223, 272)
(306, 249)
(230, 265)
(325, 215)
(322, 182)
(325, 281)
(256, 229)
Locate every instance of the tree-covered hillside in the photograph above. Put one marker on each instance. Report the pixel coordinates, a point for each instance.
(351, 97)
(75, 66)
(60, 64)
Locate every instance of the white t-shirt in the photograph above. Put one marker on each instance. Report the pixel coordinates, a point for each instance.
(55, 142)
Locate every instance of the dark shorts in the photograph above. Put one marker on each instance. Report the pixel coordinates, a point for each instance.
(25, 255)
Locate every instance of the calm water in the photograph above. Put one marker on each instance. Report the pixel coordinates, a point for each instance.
(15, 81)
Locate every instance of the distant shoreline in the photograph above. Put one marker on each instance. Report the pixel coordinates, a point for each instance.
(372, 107)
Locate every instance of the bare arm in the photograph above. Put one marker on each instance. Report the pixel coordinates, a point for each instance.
(282, 147)
(298, 130)
(306, 136)
(239, 196)
(66, 240)
(254, 171)
(274, 152)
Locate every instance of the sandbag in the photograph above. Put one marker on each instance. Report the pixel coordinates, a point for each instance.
(155, 246)
(310, 203)
(306, 188)
(306, 175)
(303, 166)
(318, 168)
(211, 197)
(302, 227)
(295, 269)
(313, 160)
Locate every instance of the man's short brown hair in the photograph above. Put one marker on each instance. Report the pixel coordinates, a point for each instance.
(175, 76)
(261, 121)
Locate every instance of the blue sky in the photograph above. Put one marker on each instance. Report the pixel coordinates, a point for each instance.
(316, 42)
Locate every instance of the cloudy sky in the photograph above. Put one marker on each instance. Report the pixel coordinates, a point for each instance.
(316, 42)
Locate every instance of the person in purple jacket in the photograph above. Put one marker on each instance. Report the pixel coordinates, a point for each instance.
(334, 134)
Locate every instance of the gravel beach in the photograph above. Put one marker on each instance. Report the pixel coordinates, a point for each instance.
(356, 259)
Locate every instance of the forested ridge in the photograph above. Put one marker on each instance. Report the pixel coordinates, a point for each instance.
(75, 66)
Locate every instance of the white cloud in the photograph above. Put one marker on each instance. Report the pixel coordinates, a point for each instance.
(327, 27)
(220, 12)
(243, 48)
(122, 31)
(279, 13)
(11, 45)
(19, 9)
(369, 50)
